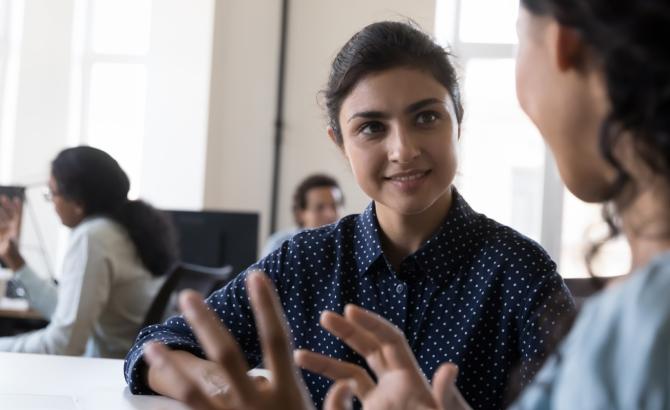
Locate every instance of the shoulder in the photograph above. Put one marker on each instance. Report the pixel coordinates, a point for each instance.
(511, 249)
(281, 236)
(99, 229)
(618, 346)
(641, 299)
(314, 246)
(335, 233)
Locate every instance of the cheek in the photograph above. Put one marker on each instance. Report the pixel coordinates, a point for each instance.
(522, 80)
(363, 161)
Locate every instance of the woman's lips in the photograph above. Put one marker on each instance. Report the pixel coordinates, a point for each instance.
(408, 181)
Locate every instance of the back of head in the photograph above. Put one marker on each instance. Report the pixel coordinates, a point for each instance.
(628, 41)
(94, 179)
(382, 46)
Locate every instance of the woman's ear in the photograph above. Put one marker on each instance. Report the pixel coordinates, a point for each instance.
(340, 144)
(79, 209)
(570, 50)
(332, 135)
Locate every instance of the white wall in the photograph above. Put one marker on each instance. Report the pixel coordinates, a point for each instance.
(211, 98)
(244, 83)
(39, 114)
(178, 71)
(243, 102)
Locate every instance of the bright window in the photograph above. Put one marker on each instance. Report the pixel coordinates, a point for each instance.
(114, 39)
(505, 170)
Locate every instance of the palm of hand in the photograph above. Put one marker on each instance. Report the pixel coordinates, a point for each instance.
(397, 390)
(9, 220)
(9, 228)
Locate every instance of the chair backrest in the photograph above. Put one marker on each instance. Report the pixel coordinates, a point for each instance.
(185, 276)
(583, 288)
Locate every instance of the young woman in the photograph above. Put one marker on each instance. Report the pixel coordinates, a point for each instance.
(594, 76)
(117, 251)
(462, 287)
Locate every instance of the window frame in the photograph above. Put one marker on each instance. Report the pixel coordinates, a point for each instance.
(447, 32)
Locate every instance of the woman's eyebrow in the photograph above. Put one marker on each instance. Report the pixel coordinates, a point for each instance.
(376, 115)
(423, 103)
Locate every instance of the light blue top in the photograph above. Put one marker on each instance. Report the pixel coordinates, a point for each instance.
(277, 239)
(618, 354)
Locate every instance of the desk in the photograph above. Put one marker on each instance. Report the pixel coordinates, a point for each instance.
(32, 382)
(17, 309)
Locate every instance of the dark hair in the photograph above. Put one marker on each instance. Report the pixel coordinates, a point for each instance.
(382, 46)
(95, 180)
(307, 184)
(629, 41)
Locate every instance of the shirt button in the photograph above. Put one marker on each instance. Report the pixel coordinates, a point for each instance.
(400, 288)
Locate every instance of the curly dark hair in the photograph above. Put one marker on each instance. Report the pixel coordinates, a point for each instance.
(94, 179)
(382, 46)
(629, 40)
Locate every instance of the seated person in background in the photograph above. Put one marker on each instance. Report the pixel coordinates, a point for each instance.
(317, 201)
(116, 254)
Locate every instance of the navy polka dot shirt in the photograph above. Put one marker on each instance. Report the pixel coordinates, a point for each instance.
(477, 294)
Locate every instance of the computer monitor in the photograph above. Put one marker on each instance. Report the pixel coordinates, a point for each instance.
(12, 192)
(215, 239)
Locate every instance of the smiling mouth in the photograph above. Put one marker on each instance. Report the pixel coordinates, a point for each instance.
(407, 176)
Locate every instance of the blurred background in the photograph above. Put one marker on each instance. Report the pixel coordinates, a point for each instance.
(214, 105)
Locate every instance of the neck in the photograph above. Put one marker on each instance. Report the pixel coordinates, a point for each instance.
(646, 223)
(402, 235)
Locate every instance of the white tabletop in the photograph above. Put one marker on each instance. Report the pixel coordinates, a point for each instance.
(41, 382)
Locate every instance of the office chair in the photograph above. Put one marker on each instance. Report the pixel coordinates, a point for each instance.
(583, 288)
(185, 276)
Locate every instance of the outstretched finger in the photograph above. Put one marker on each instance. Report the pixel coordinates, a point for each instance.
(272, 328)
(339, 396)
(185, 389)
(396, 350)
(358, 338)
(445, 391)
(335, 370)
(218, 344)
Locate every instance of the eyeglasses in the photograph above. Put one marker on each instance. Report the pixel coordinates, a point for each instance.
(49, 195)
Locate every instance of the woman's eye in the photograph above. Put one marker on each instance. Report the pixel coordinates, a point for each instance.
(372, 128)
(427, 117)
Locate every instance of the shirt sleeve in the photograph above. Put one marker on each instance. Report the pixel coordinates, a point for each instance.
(42, 293)
(549, 308)
(230, 304)
(616, 355)
(82, 294)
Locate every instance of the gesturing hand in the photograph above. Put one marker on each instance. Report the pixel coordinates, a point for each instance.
(10, 216)
(400, 382)
(285, 390)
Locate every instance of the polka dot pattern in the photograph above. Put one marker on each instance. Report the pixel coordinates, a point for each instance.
(477, 294)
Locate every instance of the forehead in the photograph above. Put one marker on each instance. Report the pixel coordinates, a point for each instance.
(324, 194)
(392, 89)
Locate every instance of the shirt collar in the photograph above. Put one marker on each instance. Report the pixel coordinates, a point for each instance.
(452, 241)
(367, 241)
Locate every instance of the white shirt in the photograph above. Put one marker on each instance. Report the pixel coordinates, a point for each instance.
(100, 302)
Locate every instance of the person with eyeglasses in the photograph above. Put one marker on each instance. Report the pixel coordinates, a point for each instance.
(317, 201)
(117, 252)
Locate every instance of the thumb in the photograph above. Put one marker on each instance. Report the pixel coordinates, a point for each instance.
(340, 396)
(445, 391)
